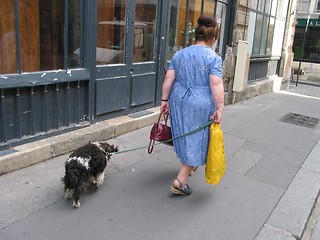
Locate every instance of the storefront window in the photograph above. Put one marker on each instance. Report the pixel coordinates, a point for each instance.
(145, 30)
(42, 43)
(111, 32)
(8, 63)
(181, 34)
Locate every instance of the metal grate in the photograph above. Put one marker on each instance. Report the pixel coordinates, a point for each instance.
(300, 120)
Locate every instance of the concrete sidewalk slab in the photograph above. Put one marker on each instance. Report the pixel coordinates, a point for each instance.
(295, 206)
(272, 175)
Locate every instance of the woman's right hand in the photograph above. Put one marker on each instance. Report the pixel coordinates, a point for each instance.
(164, 107)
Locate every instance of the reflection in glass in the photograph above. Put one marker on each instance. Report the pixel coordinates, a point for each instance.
(177, 33)
(274, 7)
(29, 35)
(176, 27)
(254, 4)
(7, 38)
(145, 30)
(50, 33)
(41, 34)
(53, 54)
(208, 7)
(74, 34)
(264, 33)
(111, 32)
(221, 18)
(270, 36)
(261, 5)
(257, 35)
(268, 6)
(194, 14)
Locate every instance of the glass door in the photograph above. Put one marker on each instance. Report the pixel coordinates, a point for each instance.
(125, 56)
(143, 74)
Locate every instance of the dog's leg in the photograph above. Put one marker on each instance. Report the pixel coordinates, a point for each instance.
(76, 197)
(76, 204)
(68, 193)
(100, 178)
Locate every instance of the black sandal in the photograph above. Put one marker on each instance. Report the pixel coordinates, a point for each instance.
(182, 190)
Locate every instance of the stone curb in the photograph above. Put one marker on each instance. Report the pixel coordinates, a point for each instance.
(35, 152)
(289, 218)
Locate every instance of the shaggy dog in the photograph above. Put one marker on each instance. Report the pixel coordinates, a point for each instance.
(85, 168)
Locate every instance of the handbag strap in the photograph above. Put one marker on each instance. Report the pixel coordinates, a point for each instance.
(151, 146)
(165, 116)
(152, 141)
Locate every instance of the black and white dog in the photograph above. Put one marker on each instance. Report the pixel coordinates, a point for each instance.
(85, 168)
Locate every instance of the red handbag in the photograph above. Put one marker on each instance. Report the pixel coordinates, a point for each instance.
(160, 132)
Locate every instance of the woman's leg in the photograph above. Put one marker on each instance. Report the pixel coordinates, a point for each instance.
(183, 175)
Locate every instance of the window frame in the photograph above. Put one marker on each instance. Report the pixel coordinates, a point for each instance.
(66, 57)
(300, 5)
(259, 12)
(318, 6)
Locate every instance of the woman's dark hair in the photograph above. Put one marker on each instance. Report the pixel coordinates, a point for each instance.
(207, 29)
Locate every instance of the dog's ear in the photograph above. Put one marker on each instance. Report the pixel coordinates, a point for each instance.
(112, 148)
(108, 147)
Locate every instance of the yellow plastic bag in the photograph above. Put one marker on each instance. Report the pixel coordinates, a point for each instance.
(216, 161)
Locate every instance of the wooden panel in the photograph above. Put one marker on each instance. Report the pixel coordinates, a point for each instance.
(29, 35)
(8, 62)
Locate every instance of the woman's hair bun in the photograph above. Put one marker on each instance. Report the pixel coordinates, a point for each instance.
(207, 29)
(207, 21)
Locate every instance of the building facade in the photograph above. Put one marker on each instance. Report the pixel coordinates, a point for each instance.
(68, 63)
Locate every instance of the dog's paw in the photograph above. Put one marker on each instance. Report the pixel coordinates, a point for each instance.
(76, 204)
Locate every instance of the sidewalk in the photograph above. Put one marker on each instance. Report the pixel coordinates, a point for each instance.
(268, 193)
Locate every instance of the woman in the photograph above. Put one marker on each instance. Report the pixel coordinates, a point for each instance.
(193, 87)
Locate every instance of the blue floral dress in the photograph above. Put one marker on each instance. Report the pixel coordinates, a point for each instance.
(191, 101)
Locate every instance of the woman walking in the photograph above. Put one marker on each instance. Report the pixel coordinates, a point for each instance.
(193, 93)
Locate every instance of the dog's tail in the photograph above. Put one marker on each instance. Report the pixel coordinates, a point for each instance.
(74, 176)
